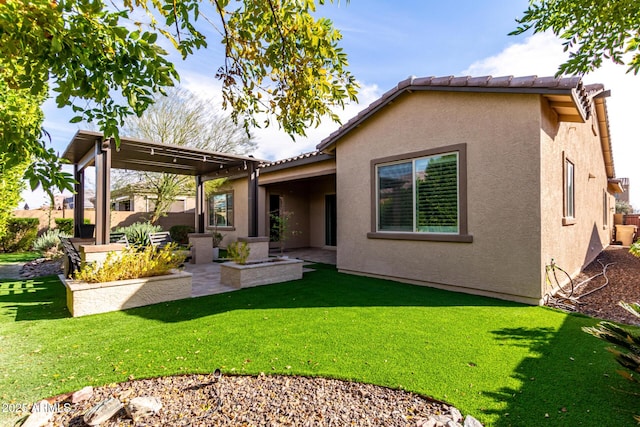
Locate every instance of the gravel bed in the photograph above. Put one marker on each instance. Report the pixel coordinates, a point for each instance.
(206, 400)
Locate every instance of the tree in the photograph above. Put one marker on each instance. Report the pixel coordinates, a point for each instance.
(106, 62)
(180, 118)
(592, 30)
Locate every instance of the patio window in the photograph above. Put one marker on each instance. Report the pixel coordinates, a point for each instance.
(569, 193)
(221, 210)
(422, 197)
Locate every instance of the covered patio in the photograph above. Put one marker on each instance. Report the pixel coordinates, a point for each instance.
(89, 148)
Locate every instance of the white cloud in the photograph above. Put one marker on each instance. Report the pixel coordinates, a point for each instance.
(541, 54)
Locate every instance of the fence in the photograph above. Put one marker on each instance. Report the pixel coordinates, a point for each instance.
(118, 218)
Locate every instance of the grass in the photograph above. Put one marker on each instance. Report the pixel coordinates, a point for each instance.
(505, 363)
(18, 257)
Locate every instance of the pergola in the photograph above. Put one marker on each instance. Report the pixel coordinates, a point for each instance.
(92, 149)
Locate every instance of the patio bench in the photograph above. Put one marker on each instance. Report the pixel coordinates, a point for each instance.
(73, 256)
(119, 238)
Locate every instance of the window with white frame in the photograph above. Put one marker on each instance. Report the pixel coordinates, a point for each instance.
(221, 210)
(419, 195)
(569, 189)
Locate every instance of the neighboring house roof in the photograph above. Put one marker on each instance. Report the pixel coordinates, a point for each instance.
(300, 160)
(567, 96)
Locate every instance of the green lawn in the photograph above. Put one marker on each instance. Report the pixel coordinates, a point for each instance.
(505, 363)
(18, 257)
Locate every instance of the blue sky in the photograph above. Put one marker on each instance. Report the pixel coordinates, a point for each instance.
(388, 41)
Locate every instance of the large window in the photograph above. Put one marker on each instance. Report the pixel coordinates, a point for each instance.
(569, 192)
(422, 197)
(221, 210)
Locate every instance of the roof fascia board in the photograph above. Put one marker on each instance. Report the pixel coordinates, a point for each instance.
(299, 162)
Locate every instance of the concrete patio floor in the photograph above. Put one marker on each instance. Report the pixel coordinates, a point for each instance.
(206, 277)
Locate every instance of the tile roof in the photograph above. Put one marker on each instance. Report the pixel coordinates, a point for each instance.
(301, 159)
(571, 86)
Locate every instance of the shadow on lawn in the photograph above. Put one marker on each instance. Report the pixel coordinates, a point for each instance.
(571, 358)
(324, 287)
(33, 299)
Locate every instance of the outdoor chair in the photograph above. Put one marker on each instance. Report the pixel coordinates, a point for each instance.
(163, 238)
(73, 256)
(119, 238)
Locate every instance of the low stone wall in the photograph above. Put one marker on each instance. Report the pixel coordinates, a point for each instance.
(92, 298)
(263, 273)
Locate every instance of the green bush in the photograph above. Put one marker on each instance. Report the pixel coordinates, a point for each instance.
(138, 233)
(49, 243)
(179, 233)
(21, 233)
(132, 264)
(65, 225)
(238, 252)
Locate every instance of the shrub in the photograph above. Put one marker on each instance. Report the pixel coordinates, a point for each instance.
(132, 264)
(138, 233)
(628, 342)
(65, 225)
(21, 232)
(238, 252)
(49, 243)
(180, 233)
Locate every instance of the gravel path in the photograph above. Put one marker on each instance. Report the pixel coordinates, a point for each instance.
(206, 400)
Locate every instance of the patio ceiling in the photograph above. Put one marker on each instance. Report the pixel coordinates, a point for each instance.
(140, 155)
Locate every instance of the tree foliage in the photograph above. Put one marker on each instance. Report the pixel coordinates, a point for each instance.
(592, 30)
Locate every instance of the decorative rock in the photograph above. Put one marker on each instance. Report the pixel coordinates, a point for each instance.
(456, 415)
(469, 421)
(41, 415)
(83, 394)
(143, 406)
(102, 411)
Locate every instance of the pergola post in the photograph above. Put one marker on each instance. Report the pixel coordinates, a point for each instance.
(103, 191)
(200, 200)
(253, 200)
(78, 199)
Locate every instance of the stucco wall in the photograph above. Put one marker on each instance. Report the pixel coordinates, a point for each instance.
(573, 246)
(502, 133)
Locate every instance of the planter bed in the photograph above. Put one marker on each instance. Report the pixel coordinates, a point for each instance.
(266, 272)
(92, 298)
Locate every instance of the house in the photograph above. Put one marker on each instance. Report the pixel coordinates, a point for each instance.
(472, 184)
(140, 198)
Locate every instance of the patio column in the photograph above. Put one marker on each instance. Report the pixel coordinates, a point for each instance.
(78, 199)
(200, 200)
(103, 191)
(253, 200)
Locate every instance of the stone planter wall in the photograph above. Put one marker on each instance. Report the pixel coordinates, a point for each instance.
(92, 298)
(261, 273)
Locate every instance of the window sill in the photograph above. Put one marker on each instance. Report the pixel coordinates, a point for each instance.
(453, 238)
(568, 221)
(220, 229)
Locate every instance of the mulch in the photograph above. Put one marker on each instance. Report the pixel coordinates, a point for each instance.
(599, 297)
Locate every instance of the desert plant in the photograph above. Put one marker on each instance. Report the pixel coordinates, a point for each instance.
(138, 233)
(635, 249)
(238, 252)
(627, 341)
(132, 264)
(281, 228)
(217, 239)
(49, 243)
(180, 233)
(20, 235)
(65, 225)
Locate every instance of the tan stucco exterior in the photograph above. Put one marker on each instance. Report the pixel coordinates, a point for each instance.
(514, 145)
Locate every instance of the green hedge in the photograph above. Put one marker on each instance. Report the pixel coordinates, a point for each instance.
(180, 233)
(21, 233)
(65, 225)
